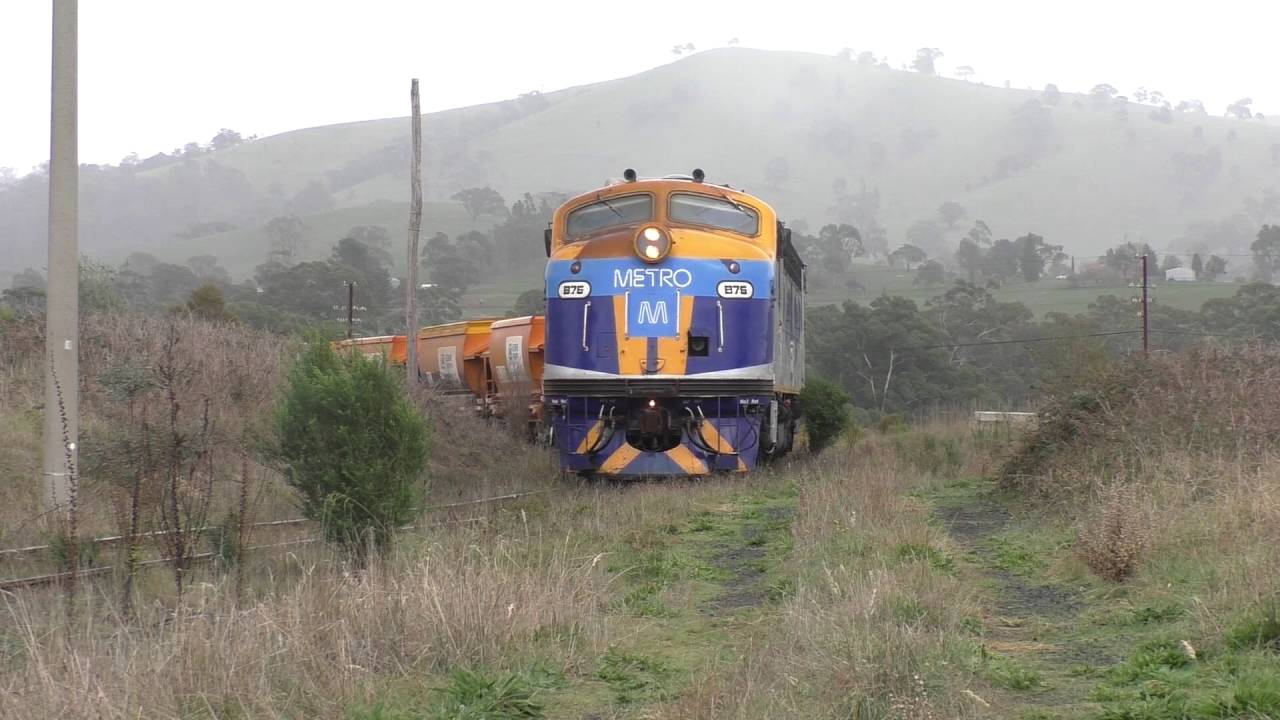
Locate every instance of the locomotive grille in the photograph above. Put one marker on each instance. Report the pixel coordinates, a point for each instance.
(648, 387)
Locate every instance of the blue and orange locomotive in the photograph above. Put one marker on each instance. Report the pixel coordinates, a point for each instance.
(674, 330)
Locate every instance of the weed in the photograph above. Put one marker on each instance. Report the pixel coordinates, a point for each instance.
(1157, 613)
(472, 696)
(1006, 673)
(634, 677)
(937, 559)
(643, 602)
(1113, 542)
(1260, 630)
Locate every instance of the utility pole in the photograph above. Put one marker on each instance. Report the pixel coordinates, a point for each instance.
(351, 306)
(1146, 347)
(62, 337)
(415, 228)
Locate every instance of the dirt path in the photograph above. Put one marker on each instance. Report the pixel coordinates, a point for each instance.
(1037, 652)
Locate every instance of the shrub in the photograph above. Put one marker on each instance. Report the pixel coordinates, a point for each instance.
(352, 444)
(825, 416)
(472, 696)
(1114, 542)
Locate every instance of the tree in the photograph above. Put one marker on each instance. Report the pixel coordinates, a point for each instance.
(1266, 252)
(286, 235)
(969, 257)
(352, 445)
(1191, 106)
(1051, 95)
(1002, 260)
(925, 59)
(1030, 261)
(207, 303)
(481, 201)
(225, 138)
(1214, 267)
(1103, 93)
(826, 417)
(980, 233)
(907, 254)
(839, 244)
(951, 213)
(1170, 262)
(438, 305)
(1240, 109)
(930, 274)
(964, 72)
(530, 302)
(1197, 266)
(205, 267)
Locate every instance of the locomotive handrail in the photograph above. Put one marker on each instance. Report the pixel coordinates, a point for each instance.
(720, 313)
(585, 311)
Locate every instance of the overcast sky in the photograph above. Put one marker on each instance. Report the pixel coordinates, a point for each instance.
(155, 74)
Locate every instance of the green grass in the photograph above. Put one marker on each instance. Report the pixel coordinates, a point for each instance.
(635, 677)
(1007, 673)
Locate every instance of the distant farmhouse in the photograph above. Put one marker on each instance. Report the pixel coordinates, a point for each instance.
(1180, 274)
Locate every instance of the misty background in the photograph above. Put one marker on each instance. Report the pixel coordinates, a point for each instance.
(237, 148)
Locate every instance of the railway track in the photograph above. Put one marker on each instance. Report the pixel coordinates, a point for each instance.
(54, 578)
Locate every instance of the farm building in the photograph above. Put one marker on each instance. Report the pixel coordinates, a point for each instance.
(1180, 274)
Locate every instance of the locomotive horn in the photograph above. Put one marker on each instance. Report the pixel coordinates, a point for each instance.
(629, 175)
(698, 175)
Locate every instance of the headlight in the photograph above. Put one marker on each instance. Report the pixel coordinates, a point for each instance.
(652, 244)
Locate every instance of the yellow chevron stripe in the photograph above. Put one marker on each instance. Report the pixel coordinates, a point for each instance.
(620, 459)
(592, 435)
(687, 461)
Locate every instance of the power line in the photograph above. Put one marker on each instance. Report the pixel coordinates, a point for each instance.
(949, 346)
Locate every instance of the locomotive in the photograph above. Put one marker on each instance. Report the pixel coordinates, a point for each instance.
(674, 330)
(673, 339)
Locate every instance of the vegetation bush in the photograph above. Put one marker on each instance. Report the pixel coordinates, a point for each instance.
(353, 446)
(1113, 543)
(825, 414)
(1202, 402)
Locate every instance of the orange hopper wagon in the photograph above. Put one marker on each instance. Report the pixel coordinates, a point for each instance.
(395, 348)
(515, 355)
(453, 358)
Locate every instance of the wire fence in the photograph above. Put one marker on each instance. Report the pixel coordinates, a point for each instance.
(58, 577)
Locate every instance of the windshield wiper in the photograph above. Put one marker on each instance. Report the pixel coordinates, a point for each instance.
(601, 199)
(740, 208)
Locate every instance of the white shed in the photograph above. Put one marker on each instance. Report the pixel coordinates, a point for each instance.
(1180, 274)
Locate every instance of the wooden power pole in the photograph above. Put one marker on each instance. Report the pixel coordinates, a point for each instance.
(62, 339)
(415, 229)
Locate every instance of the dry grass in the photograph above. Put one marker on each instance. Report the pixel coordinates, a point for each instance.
(863, 629)
(317, 639)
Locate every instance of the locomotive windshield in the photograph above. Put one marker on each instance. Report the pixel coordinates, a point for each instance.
(608, 213)
(714, 212)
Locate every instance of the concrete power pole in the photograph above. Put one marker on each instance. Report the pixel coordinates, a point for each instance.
(62, 338)
(415, 228)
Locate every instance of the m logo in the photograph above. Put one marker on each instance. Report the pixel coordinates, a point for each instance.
(654, 313)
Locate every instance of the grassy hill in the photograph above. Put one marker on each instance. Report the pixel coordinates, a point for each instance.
(1080, 172)
(845, 143)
